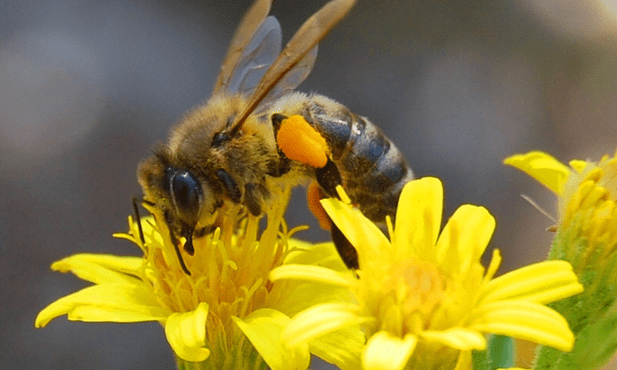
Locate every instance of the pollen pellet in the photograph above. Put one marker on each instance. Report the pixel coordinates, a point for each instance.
(300, 142)
(313, 195)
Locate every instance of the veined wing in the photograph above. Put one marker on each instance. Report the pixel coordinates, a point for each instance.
(305, 39)
(290, 81)
(256, 58)
(251, 22)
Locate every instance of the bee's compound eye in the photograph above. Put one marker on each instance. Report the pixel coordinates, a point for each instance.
(186, 193)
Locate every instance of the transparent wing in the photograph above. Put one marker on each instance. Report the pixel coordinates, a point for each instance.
(303, 42)
(290, 81)
(256, 58)
(251, 22)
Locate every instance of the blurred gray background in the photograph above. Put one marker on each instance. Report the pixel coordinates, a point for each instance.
(86, 87)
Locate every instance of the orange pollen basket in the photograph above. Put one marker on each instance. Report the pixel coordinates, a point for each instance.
(301, 142)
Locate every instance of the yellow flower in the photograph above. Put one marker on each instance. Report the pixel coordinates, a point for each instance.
(587, 238)
(423, 297)
(587, 196)
(228, 298)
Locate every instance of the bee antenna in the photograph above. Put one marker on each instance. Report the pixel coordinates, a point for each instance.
(135, 200)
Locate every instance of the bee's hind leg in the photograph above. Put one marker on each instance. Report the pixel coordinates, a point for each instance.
(328, 177)
(303, 144)
(348, 253)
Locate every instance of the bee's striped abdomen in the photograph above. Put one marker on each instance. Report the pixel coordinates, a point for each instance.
(372, 169)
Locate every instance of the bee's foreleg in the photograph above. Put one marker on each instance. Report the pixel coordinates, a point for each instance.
(134, 200)
(254, 196)
(230, 185)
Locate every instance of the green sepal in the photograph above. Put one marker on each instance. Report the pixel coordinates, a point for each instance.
(480, 360)
(588, 314)
(249, 364)
(499, 353)
(595, 270)
(239, 356)
(502, 351)
(597, 343)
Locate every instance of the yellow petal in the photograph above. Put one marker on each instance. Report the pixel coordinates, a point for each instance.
(459, 338)
(578, 165)
(186, 333)
(115, 314)
(542, 167)
(524, 320)
(542, 282)
(361, 232)
(106, 303)
(263, 328)
(464, 361)
(386, 352)
(315, 274)
(319, 320)
(418, 218)
(342, 348)
(100, 268)
(321, 254)
(464, 238)
(491, 270)
(297, 295)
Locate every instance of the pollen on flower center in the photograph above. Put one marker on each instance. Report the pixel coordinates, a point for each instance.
(229, 269)
(416, 291)
(423, 296)
(425, 286)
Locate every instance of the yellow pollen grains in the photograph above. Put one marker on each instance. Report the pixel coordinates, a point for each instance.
(425, 287)
(417, 289)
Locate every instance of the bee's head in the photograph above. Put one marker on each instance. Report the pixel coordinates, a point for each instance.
(177, 192)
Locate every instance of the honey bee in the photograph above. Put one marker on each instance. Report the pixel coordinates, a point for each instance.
(227, 150)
